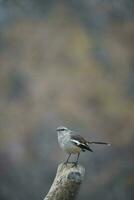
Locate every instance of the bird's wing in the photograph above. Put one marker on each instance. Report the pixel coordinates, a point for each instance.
(79, 141)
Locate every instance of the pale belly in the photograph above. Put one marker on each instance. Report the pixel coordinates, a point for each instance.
(71, 148)
(68, 146)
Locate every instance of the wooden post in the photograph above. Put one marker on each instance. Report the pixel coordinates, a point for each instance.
(66, 183)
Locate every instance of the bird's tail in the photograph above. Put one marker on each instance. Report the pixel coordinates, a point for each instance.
(104, 143)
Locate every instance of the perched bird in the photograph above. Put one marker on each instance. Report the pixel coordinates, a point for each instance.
(72, 143)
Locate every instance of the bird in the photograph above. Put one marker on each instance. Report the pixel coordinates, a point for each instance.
(72, 143)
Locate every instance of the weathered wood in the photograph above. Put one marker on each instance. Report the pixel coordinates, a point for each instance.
(66, 183)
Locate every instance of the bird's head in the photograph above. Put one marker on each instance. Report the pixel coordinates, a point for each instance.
(62, 130)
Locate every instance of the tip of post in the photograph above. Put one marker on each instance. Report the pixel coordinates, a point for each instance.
(70, 164)
(108, 144)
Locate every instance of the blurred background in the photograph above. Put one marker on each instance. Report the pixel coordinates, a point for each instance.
(66, 63)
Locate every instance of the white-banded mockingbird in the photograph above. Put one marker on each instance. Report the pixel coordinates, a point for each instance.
(72, 143)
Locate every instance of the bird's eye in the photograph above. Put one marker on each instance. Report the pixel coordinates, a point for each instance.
(62, 129)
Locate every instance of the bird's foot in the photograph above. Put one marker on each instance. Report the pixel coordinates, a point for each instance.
(66, 162)
(74, 164)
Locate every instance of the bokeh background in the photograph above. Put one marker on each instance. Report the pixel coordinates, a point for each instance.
(66, 63)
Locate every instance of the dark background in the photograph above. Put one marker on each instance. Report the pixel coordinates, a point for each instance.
(66, 63)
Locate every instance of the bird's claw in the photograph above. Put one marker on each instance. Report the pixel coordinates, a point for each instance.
(75, 164)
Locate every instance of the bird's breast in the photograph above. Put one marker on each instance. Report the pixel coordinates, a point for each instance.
(66, 144)
(69, 147)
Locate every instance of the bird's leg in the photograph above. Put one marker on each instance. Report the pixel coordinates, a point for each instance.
(67, 159)
(77, 158)
(76, 163)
